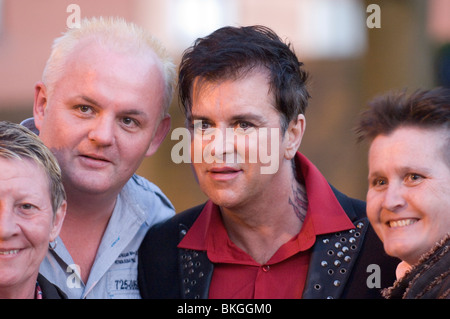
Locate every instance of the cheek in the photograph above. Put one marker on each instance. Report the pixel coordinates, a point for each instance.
(437, 214)
(373, 209)
(131, 149)
(37, 233)
(57, 129)
(39, 230)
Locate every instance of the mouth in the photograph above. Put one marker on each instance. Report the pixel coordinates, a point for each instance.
(94, 161)
(224, 173)
(4, 252)
(402, 222)
(224, 170)
(95, 157)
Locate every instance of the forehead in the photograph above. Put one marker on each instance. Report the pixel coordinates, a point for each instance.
(25, 173)
(410, 145)
(247, 94)
(94, 70)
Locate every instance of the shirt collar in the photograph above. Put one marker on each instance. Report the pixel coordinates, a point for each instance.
(324, 209)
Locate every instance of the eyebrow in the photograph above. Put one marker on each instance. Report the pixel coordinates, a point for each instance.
(89, 100)
(243, 116)
(404, 170)
(126, 112)
(134, 112)
(416, 169)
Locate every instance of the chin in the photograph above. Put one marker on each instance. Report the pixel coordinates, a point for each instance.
(406, 251)
(92, 189)
(10, 278)
(224, 200)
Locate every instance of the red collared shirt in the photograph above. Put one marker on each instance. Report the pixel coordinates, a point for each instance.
(236, 275)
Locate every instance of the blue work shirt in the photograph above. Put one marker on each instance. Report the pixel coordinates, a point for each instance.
(139, 205)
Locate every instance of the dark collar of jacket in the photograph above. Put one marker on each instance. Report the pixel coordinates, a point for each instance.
(49, 291)
(336, 266)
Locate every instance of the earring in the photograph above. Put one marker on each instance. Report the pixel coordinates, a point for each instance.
(52, 245)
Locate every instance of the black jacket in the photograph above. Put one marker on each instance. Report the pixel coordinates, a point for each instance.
(339, 265)
(49, 290)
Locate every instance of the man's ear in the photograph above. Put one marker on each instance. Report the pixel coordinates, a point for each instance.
(58, 220)
(293, 136)
(160, 135)
(40, 104)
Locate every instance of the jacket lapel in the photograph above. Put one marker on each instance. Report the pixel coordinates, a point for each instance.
(195, 271)
(332, 260)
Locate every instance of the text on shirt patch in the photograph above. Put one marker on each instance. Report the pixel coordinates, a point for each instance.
(125, 258)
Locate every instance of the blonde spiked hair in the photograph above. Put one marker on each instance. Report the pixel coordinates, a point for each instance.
(117, 34)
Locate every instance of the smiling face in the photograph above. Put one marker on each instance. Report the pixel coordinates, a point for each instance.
(231, 165)
(27, 224)
(408, 202)
(101, 116)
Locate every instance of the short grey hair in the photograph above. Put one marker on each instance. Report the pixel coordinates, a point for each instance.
(18, 142)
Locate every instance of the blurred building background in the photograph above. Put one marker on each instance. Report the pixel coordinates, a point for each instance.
(349, 64)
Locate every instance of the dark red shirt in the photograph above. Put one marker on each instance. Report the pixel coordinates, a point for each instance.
(236, 275)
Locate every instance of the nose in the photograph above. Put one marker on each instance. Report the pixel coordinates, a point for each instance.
(222, 145)
(8, 225)
(102, 131)
(394, 199)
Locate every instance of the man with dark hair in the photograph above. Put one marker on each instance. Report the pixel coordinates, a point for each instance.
(408, 201)
(273, 227)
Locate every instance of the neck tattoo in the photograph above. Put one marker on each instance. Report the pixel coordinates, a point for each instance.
(299, 201)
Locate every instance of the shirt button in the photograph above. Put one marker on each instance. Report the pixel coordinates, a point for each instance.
(266, 268)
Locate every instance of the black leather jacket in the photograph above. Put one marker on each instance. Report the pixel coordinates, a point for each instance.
(338, 267)
(49, 290)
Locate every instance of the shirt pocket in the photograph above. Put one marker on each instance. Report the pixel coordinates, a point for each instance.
(122, 284)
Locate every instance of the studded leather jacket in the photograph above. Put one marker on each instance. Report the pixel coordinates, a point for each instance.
(350, 264)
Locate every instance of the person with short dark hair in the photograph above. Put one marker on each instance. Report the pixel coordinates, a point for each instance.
(408, 201)
(273, 227)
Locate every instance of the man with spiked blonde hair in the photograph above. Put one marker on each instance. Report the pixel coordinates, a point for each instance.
(101, 107)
